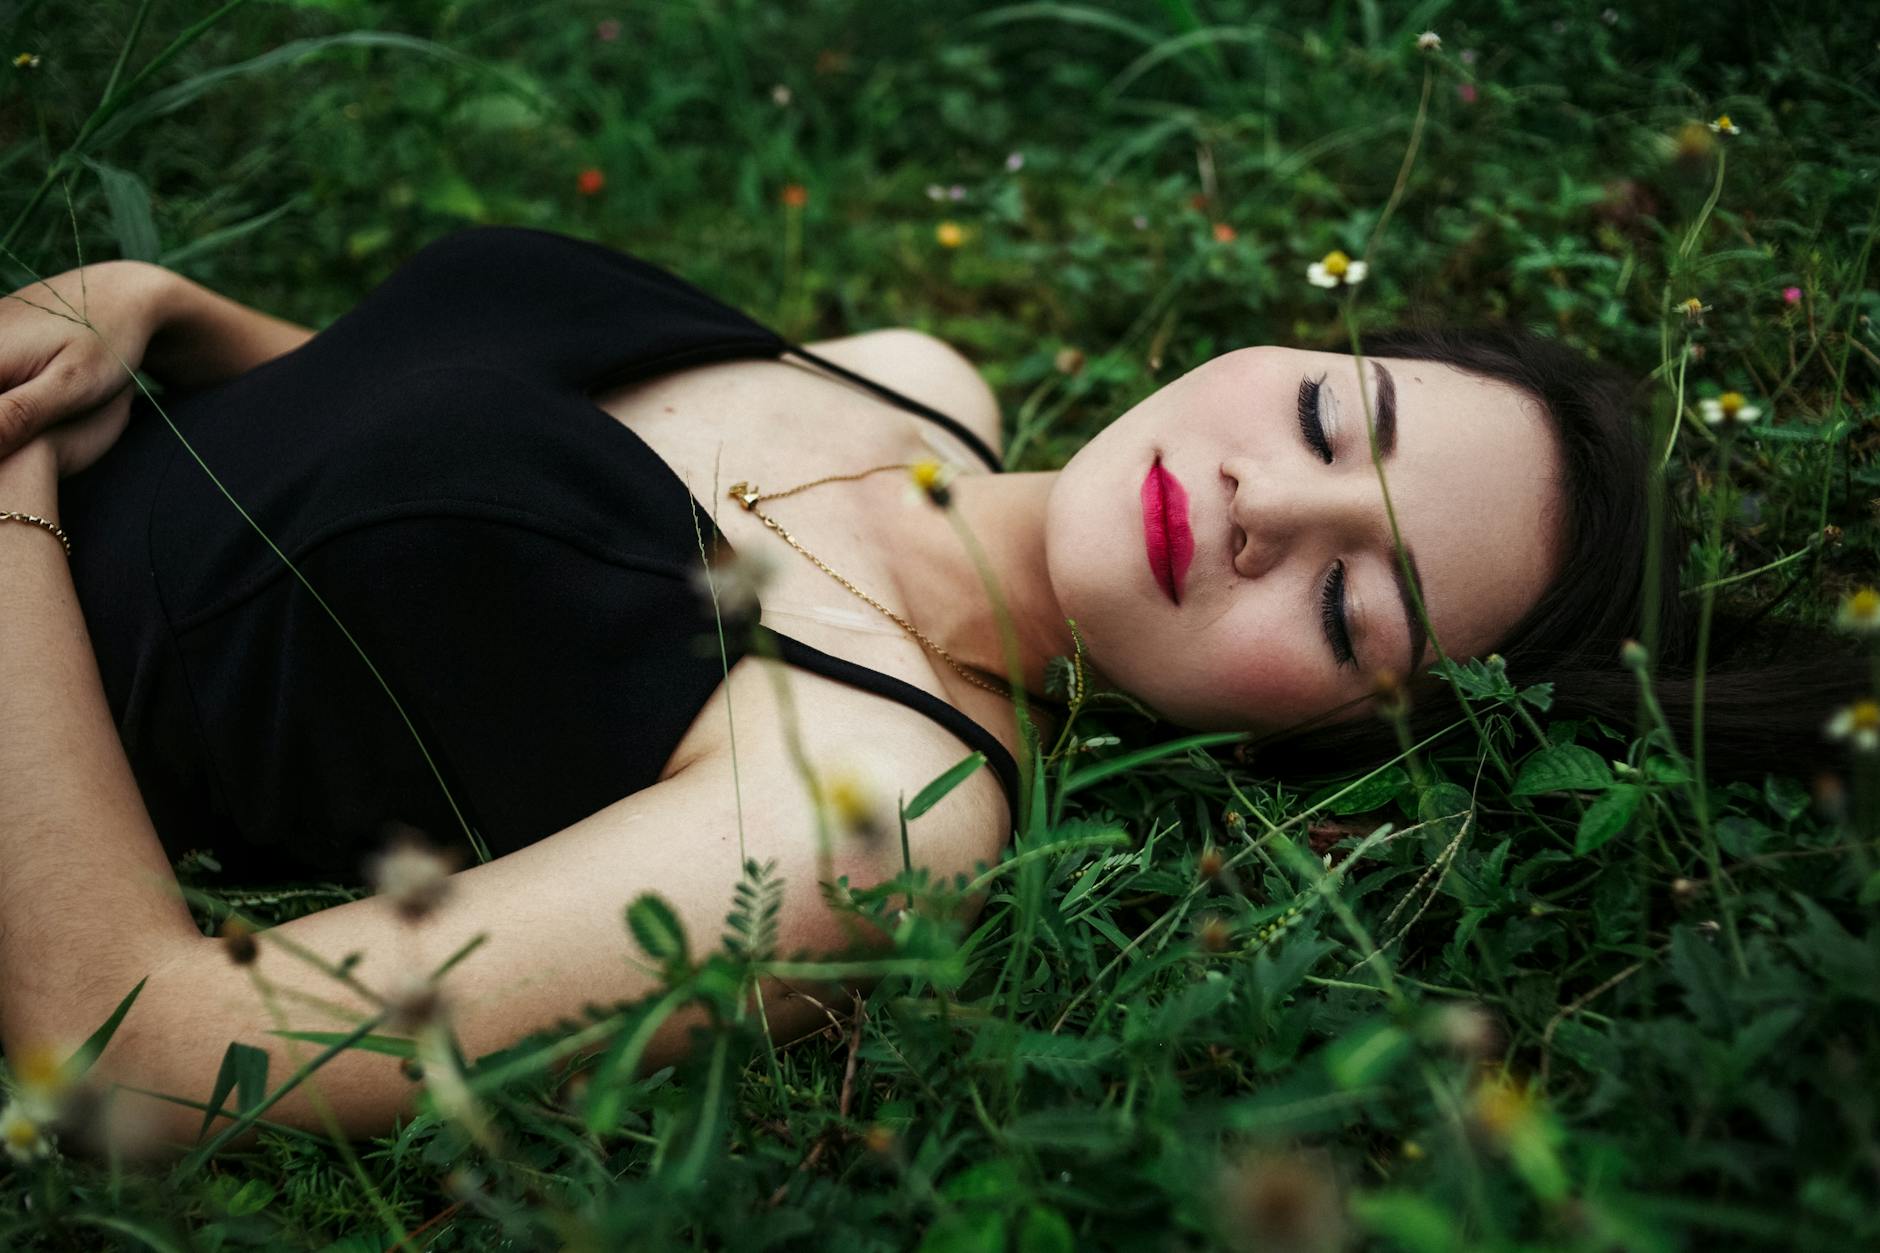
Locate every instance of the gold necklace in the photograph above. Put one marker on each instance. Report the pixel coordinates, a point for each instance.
(748, 494)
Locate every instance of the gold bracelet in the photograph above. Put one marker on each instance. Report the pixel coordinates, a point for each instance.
(49, 525)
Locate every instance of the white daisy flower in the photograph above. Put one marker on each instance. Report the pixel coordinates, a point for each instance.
(1729, 407)
(1860, 612)
(1335, 268)
(1858, 724)
(1724, 126)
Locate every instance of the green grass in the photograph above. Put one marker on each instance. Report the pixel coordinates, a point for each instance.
(1502, 1019)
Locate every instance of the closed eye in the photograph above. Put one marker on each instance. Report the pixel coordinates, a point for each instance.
(1311, 423)
(1332, 616)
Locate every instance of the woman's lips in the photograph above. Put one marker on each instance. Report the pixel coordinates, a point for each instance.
(1165, 529)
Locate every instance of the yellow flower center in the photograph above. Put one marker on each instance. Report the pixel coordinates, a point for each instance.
(926, 474)
(1724, 123)
(1730, 403)
(21, 1133)
(40, 1068)
(1864, 605)
(1336, 263)
(1866, 715)
(949, 234)
(1692, 306)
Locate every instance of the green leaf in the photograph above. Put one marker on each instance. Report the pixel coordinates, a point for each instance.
(1607, 816)
(129, 203)
(244, 1068)
(1044, 1230)
(1408, 1220)
(1142, 756)
(656, 929)
(971, 1231)
(251, 1198)
(1363, 1057)
(87, 1053)
(1363, 795)
(1870, 890)
(390, 1045)
(1562, 768)
(931, 795)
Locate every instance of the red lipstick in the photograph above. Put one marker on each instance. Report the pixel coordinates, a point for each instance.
(1165, 530)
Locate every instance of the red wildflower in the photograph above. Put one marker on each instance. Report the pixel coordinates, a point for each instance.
(590, 181)
(794, 195)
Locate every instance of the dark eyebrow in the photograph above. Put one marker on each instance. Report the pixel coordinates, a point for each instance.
(1386, 411)
(1418, 637)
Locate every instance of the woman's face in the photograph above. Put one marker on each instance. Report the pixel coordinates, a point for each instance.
(1292, 598)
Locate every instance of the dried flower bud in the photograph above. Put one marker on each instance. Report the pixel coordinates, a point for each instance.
(1068, 361)
(1213, 935)
(879, 1139)
(238, 941)
(1211, 863)
(1633, 655)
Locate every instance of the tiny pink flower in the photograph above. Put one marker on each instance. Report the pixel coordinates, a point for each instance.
(1791, 295)
(607, 30)
(1465, 92)
(1014, 162)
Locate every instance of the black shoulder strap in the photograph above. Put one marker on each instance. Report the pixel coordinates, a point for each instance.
(1003, 764)
(913, 406)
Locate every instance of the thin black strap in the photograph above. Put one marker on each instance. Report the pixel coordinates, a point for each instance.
(973, 441)
(797, 653)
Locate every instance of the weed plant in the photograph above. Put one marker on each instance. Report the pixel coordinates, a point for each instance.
(1538, 984)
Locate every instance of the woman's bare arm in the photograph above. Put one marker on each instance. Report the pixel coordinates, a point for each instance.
(203, 337)
(89, 904)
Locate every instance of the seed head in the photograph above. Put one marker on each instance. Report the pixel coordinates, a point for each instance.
(1429, 41)
(414, 1004)
(1213, 935)
(1210, 863)
(410, 874)
(1278, 1203)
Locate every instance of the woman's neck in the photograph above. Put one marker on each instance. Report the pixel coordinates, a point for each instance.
(945, 594)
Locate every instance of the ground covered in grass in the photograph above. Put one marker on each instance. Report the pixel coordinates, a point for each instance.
(1552, 988)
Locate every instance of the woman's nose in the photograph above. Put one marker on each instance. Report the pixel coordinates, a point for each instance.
(1272, 515)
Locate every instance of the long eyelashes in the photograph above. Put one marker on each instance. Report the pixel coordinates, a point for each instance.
(1310, 424)
(1332, 615)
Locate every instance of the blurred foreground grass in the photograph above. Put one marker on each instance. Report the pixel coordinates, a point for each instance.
(1173, 1026)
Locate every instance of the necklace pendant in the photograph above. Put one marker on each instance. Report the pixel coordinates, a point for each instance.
(745, 494)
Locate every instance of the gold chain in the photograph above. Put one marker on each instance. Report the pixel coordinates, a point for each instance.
(748, 494)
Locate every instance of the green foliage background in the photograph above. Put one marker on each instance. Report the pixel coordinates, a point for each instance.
(1554, 1008)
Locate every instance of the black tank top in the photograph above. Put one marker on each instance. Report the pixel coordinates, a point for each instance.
(517, 564)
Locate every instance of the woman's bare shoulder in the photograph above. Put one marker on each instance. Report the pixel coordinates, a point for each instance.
(924, 367)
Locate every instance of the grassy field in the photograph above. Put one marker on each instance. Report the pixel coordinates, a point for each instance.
(1551, 990)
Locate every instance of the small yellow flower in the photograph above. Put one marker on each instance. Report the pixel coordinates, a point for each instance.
(26, 61)
(1500, 1107)
(1429, 41)
(949, 234)
(1335, 268)
(852, 799)
(1693, 308)
(1858, 724)
(23, 1136)
(932, 480)
(1729, 407)
(1412, 1151)
(1860, 612)
(1724, 126)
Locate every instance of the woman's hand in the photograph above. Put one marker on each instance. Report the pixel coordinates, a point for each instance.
(67, 380)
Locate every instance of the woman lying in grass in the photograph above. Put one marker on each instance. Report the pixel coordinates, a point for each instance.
(503, 471)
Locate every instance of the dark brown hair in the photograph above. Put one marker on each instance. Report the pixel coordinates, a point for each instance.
(1758, 714)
